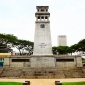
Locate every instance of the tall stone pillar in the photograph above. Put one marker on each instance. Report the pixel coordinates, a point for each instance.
(42, 53)
(42, 38)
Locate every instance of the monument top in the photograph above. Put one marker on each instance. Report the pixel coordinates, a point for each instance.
(38, 7)
(42, 8)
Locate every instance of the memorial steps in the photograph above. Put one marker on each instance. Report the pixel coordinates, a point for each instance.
(41, 73)
(75, 73)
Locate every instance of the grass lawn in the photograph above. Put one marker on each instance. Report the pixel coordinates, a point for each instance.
(73, 83)
(10, 83)
(64, 83)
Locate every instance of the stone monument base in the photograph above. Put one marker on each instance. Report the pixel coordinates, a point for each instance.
(42, 61)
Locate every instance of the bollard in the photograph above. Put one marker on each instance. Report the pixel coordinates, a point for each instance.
(56, 82)
(59, 83)
(28, 82)
(25, 83)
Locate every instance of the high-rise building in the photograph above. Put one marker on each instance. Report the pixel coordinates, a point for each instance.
(62, 40)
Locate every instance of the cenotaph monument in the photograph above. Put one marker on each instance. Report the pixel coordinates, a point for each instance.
(42, 53)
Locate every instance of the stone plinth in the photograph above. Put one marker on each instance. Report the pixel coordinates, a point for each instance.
(42, 61)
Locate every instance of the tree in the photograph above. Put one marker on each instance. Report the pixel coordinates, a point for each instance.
(74, 48)
(6, 39)
(54, 50)
(69, 50)
(29, 47)
(61, 50)
(81, 45)
(9, 40)
(20, 44)
(3, 45)
(2, 38)
(24, 45)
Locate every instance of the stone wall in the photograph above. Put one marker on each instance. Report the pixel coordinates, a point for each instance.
(79, 61)
(68, 61)
(60, 61)
(7, 61)
(15, 62)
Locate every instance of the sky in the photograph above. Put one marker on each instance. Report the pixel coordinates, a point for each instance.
(67, 17)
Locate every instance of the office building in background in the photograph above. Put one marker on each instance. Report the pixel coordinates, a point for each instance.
(62, 40)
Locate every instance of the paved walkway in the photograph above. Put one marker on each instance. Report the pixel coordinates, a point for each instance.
(43, 81)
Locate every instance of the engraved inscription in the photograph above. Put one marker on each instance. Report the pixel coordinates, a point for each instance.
(42, 45)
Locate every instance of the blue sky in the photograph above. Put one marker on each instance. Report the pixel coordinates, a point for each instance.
(67, 18)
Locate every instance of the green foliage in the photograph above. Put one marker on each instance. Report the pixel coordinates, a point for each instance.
(23, 44)
(10, 83)
(9, 41)
(73, 83)
(81, 44)
(83, 58)
(79, 47)
(54, 49)
(7, 38)
(61, 50)
(3, 45)
(13, 41)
